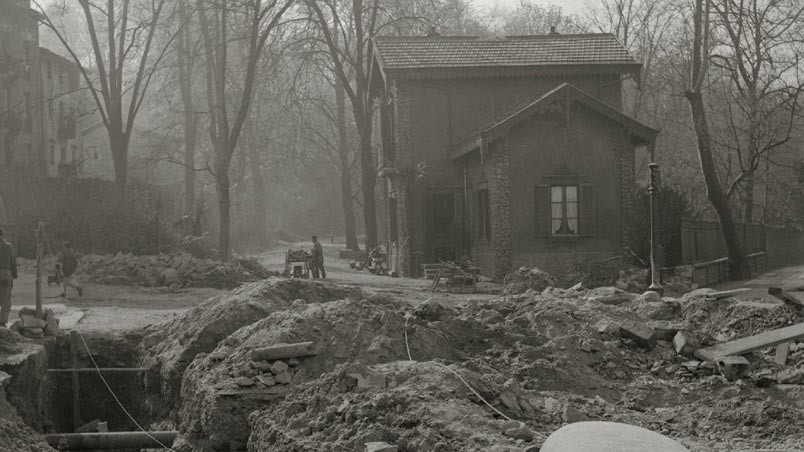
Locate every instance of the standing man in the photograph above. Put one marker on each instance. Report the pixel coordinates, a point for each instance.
(318, 259)
(8, 273)
(67, 264)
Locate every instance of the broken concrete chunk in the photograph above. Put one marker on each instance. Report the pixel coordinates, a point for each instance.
(666, 330)
(685, 343)
(244, 381)
(572, 415)
(432, 310)
(279, 367)
(643, 335)
(782, 350)
(791, 376)
(266, 380)
(283, 378)
(732, 367)
(379, 446)
(520, 432)
(607, 327)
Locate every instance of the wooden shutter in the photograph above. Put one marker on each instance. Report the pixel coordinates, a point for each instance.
(541, 197)
(587, 210)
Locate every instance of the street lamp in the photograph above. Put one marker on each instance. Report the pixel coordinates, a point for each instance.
(655, 283)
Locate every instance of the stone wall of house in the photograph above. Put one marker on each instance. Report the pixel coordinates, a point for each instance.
(400, 185)
(500, 194)
(625, 164)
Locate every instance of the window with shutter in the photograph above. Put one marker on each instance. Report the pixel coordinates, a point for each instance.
(587, 210)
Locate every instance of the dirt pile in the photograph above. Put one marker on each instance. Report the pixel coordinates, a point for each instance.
(170, 348)
(15, 435)
(417, 406)
(129, 269)
(221, 389)
(526, 279)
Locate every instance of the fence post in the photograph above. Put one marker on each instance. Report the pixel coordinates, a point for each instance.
(655, 283)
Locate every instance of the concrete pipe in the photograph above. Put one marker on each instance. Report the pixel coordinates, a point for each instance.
(111, 440)
(608, 437)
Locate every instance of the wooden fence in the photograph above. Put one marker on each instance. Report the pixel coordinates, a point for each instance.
(704, 249)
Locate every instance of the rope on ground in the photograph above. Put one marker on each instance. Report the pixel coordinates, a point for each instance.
(454, 372)
(116, 399)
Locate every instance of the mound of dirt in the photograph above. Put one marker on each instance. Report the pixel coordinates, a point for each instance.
(170, 348)
(128, 269)
(221, 389)
(417, 406)
(526, 279)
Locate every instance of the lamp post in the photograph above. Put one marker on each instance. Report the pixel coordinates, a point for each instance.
(655, 283)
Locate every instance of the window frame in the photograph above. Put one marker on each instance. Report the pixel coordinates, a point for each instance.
(564, 203)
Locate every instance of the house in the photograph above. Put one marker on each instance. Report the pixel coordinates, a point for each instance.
(512, 152)
(20, 113)
(62, 106)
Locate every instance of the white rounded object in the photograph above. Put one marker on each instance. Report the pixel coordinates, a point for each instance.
(608, 437)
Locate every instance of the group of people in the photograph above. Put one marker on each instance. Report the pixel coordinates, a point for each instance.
(66, 265)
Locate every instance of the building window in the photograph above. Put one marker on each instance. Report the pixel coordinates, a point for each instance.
(52, 154)
(74, 153)
(564, 209)
(63, 155)
(483, 215)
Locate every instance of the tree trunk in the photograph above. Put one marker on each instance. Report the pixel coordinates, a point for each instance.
(258, 186)
(369, 179)
(749, 199)
(222, 187)
(189, 163)
(119, 148)
(346, 171)
(737, 262)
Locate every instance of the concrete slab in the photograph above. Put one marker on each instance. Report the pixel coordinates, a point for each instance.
(608, 437)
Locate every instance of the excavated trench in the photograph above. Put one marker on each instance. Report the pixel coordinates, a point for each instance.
(39, 389)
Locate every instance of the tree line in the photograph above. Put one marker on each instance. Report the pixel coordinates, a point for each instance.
(285, 83)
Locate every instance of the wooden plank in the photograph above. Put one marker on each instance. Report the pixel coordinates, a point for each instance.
(787, 297)
(782, 350)
(752, 343)
(113, 440)
(725, 293)
(283, 351)
(102, 369)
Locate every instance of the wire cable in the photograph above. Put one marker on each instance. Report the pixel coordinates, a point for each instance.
(454, 372)
(116, 399)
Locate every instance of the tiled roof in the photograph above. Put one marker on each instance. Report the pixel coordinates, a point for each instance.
(458, 52)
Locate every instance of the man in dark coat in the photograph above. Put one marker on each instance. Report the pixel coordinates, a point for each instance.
(8, 273)
(68, 264)
(318, 259)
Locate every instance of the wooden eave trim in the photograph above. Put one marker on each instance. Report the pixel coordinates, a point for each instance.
(474, 72)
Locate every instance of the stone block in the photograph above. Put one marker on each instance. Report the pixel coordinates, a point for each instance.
(643, 335)
(685, 343)
(279, 367)
(732, 367)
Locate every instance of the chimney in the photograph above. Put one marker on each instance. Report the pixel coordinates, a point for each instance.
(433, 32)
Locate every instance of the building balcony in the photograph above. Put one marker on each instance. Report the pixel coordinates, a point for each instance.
(67, 129)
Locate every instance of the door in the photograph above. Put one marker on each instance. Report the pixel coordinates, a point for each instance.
(443, 229)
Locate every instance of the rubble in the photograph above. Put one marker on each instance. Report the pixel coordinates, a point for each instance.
(542, 358)
(526, 279)
(129, 269)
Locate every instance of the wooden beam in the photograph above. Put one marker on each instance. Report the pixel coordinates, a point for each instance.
(102, 369)
(283, 351)
(752, 343)
(785, 296)
(112, 440)
(725, 293)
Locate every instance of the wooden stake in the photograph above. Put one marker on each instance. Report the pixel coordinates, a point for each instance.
(75, 384)
(40, 239)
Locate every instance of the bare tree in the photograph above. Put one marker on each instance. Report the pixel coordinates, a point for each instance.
(121, 63)
(186, 56)
(259, 19)
(351, 58)
(700, 57)
(760, 59)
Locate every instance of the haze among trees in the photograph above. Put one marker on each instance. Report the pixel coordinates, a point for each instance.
(263, 106)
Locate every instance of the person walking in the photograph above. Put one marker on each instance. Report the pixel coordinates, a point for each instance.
(67, 265)
(318, 260)
(8, 273)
